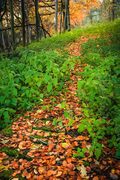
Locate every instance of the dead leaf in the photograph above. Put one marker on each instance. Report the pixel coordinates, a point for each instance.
(69, 160)
(68, 152)
(65, 145)
(59, 173)
(50, 173)
(79, 138)
(95, 178)
(83, 171)
(41, 170)
(15, 165)
(51, 146)
(70, 166)
(75, 143)
(24, 145)
(64, 163)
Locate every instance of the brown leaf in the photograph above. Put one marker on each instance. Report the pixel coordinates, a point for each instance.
(53, 162)
(51, 146)
(79, 138)
(41, 170)
(59, 173)
(50, 173)
(75, 143)
(84, 144)
(70, 166)
(41, 177)
(24, 145)
(96, 178)
(64, 163)
(79, 177)
(25, 173)
(69, 160)
(15, 165)
(68, 152)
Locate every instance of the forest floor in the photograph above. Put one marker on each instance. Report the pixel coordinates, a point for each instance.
(43, 143)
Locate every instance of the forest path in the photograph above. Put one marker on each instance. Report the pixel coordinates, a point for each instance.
(44, 140)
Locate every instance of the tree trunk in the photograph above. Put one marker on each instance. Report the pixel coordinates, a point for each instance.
(12, 22)
(61, 11)
(67, 16)
(23, 22)
(56, 15)
(37, 20)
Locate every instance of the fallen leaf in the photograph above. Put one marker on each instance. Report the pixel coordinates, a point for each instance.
(65, 145)
(15, 165)
(24, 145)
(64, 163)
(83, 171)
(95, 178)
(50, 173)
(51, 146)
(70, 166)
(59, 173)
(69, 160)
(41, 170)
(68, 152)
(75, 143)
(79, 138)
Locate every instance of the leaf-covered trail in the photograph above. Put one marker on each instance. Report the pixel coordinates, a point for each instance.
(45, 140)
(49, 138)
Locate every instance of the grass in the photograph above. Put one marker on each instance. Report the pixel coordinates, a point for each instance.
(60, 41)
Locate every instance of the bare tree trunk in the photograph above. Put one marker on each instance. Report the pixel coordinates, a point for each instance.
(2, 36)
(23, 22)
(12, 22)
(56, 15)
(67, 16)
(37, 20)
(61, 11)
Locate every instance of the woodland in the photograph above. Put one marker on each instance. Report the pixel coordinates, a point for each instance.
(59, 89)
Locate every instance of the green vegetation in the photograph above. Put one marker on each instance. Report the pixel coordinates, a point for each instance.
(15, 153)
(25, 80)
(7, 131)
(99, 90)
(41, 69)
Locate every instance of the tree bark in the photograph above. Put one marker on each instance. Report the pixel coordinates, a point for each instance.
(37, 20)
(12, 22)
(23, 22)
(67, 16)
(56, 15)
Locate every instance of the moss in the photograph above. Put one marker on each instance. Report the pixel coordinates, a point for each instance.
(47, 129)
(10, 151)
(7, 131)
(15, 153)
(6, 174)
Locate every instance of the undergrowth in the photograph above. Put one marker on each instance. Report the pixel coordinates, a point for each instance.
(99, 91)
(25, 81)
(32, 73)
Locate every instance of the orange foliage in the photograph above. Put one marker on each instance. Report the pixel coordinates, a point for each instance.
(80, 9)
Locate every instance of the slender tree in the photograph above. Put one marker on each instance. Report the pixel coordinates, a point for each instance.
(67, 16)
(12, 22)
(37, 19)
(56, 15)
(2, 12)
(23, 21)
